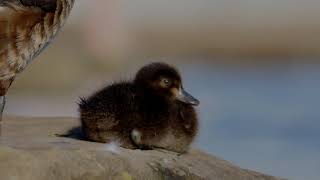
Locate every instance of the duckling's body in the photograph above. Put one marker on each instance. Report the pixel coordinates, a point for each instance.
(140, 116)
(26, 28)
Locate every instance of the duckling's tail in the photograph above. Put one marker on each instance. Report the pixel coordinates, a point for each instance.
(82, 103)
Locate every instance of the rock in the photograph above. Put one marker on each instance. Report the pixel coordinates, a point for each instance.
(30, 149)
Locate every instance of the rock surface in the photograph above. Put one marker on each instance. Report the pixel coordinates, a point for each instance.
(30, 149)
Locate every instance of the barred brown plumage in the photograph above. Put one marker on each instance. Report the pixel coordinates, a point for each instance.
(26, 28)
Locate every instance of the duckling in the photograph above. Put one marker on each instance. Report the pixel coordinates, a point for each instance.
(152, 111)
(27, 27)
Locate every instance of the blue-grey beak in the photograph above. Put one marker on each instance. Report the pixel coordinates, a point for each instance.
(185, 97)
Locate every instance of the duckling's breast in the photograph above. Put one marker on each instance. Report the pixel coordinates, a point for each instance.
(173, 140)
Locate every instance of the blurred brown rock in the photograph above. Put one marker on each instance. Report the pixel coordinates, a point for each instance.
(29, 149)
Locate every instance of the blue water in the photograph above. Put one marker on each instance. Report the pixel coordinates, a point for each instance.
(265, 118)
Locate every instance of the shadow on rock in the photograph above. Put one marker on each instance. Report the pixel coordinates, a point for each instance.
(74, 133)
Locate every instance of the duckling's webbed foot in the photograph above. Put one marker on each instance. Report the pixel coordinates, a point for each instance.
(136, 137)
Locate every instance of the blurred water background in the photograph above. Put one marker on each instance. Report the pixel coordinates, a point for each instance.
(254, 65)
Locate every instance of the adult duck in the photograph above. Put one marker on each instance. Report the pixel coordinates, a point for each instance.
(26, 28)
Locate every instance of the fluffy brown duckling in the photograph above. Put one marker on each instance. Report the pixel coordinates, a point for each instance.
(26, 28)
(152, 111)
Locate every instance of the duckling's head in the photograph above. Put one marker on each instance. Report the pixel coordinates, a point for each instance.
(165, 81)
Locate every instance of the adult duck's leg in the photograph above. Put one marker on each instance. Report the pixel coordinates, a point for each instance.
(4, 86)
(2, 105)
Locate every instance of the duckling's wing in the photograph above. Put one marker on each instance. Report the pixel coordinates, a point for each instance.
(26, 28)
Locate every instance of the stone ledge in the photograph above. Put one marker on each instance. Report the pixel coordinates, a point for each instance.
(29, 149)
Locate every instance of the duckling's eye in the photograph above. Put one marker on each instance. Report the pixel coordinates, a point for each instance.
(165, 82)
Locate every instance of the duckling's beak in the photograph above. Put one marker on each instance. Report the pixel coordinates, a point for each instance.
(185, 97)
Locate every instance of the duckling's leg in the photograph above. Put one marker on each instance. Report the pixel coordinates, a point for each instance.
(2, 104)
(136, 137)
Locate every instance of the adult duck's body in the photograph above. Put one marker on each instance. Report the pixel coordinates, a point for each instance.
(26, 28)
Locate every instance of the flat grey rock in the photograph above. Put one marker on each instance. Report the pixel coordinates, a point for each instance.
(30, 149)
